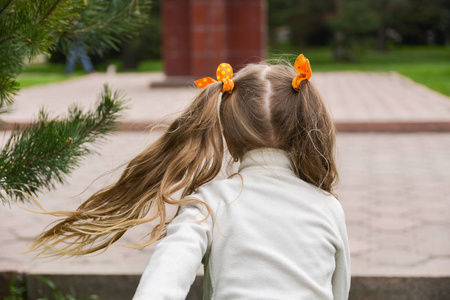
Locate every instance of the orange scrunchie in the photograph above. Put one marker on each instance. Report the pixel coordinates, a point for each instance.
(224, 74)
(303, 68)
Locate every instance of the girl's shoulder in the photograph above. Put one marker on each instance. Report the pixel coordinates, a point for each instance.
(337, 211)
(335, 206)
(218, 191)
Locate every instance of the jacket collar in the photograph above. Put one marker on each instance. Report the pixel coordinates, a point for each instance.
(266, 157)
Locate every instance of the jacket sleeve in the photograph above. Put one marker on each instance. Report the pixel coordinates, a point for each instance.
(177, 258)
(342, 274)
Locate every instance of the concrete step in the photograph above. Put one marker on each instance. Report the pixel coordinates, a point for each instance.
(121, 287)
(341, 126)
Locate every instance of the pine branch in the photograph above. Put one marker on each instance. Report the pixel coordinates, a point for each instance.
(38, 9)
(100, 26)
(5, 6)
(49, 12)
(30, 28)
(8, 89)
(40, 156)
(58, 151)
(104, 24)
(21, 37)
(6, 38)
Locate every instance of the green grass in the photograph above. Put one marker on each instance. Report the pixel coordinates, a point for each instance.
(143, 66)
(150, 66)
(43, 73)
(30, 79)
(435, 76)
(428, 65)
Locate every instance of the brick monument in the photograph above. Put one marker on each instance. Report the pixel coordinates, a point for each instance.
(200, 34)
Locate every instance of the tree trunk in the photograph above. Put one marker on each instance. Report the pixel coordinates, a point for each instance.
(129, 57)
(381, 44)
(339, 49)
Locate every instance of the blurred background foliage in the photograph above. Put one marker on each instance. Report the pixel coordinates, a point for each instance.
(36, 157)
(355, 25)
(144, 47)
(408, 36)
(373, 24)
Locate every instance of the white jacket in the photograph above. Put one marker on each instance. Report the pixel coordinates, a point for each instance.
(273, 237)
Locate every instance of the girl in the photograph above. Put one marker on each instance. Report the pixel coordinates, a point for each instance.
(273, 230)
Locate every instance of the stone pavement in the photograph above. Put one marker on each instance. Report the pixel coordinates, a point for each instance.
(394, 187)
(351, 96)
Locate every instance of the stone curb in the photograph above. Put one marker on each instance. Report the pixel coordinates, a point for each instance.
(393, 127)
(121, 287)
(343, 127)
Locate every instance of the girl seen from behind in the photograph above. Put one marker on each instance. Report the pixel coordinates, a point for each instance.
(273, 230)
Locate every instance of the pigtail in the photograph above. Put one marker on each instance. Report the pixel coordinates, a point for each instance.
(188, 155)
(303, 128)
(312, 148)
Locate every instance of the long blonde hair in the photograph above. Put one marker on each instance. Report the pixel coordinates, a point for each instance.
(263, 111)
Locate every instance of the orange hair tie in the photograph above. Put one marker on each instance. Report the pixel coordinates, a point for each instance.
(303, 68)
(224, 73)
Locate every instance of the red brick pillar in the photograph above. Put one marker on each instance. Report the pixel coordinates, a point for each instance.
(200, 34)
(208, 35)
(246, 32)
(176, 38)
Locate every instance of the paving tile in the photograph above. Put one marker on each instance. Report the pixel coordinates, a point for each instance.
(356, 216)
(360, 246)
(386, 209)
(435, 250)
(434, 217)
(392, 240)
(397, 257)
(434, 240)
(358, 230)
(434, 267)
(407, 178)
(393, 224)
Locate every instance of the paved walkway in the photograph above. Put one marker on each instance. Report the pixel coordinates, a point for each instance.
(351, 97)
(394, 187)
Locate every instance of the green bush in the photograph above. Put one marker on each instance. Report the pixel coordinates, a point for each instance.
(17, 291)
(58, 295)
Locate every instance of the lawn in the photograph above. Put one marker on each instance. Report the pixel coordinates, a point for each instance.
(43, 73)
(428, 65)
